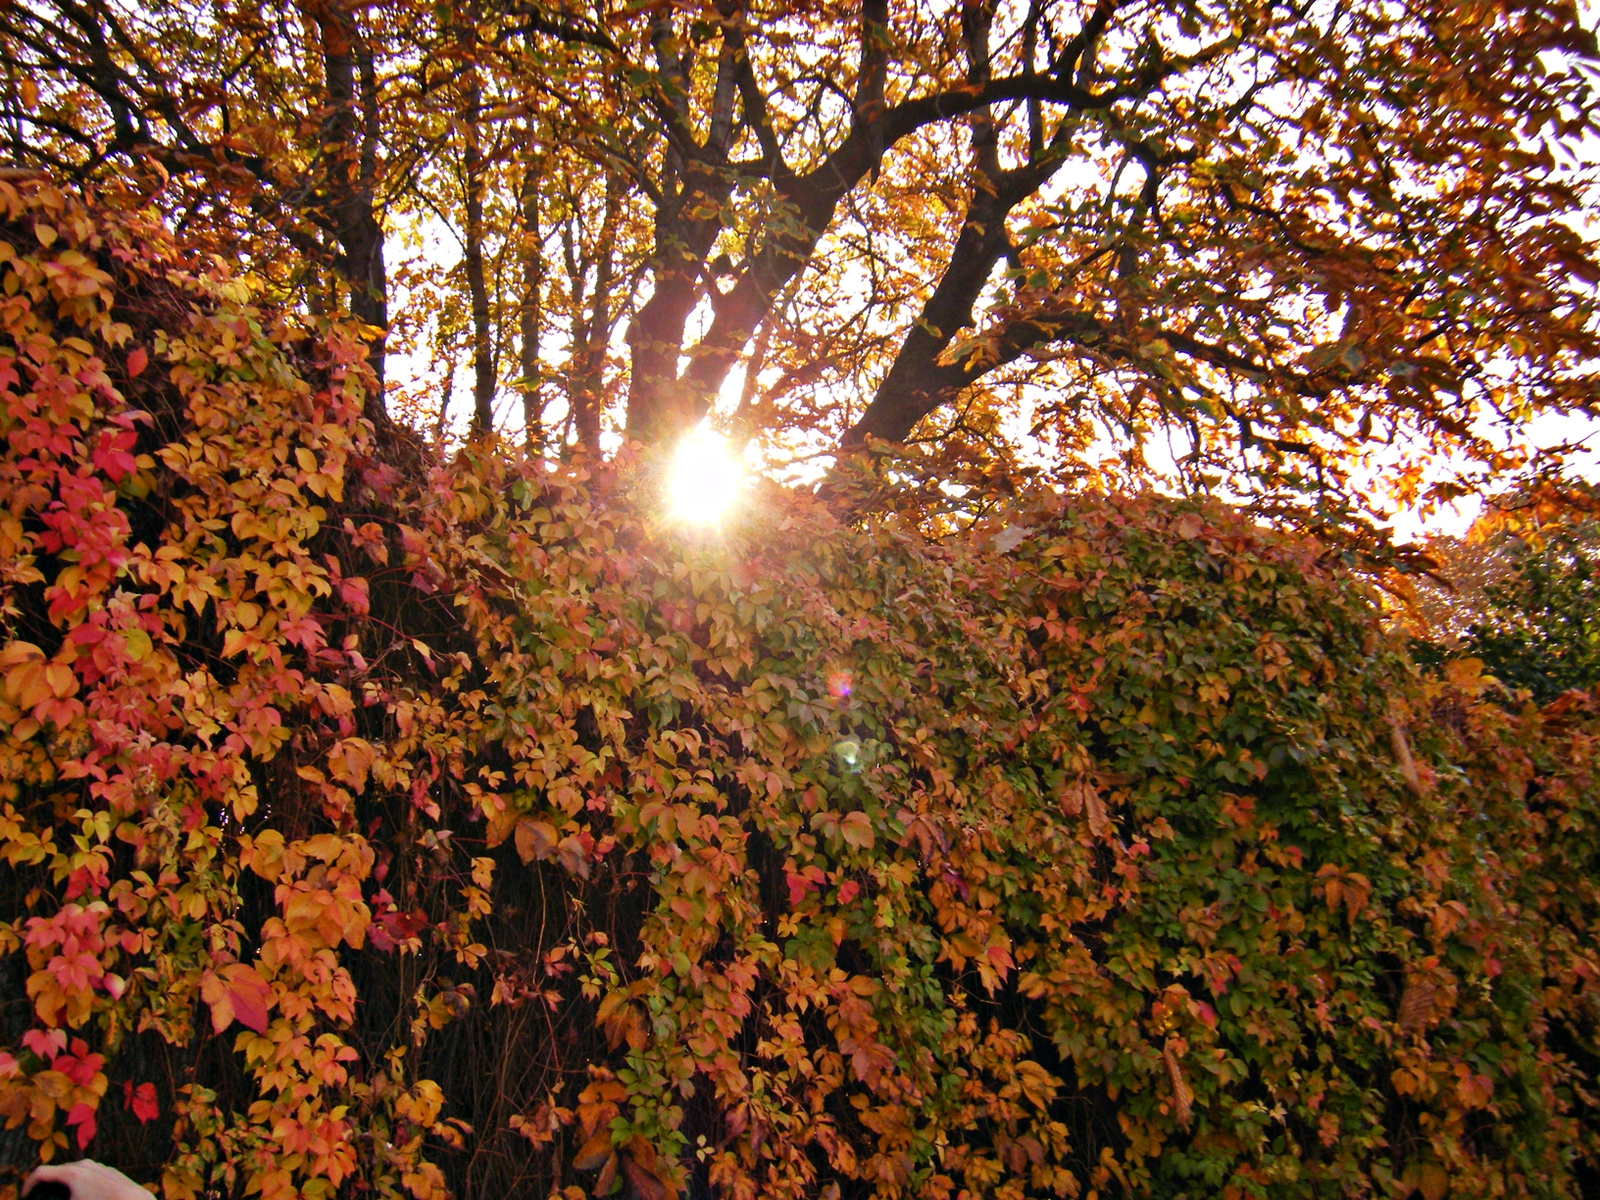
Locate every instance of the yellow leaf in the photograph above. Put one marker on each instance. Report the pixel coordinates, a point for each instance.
(263, 854)
(1037, 1084)
(61, 680)
(500, 825)
(19, 652)
(138, 643)
(426, 1182)
(421, 1105)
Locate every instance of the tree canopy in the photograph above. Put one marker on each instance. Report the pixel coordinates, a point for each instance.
(1265, 240)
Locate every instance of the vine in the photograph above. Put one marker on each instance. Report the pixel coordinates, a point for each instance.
(389, 831)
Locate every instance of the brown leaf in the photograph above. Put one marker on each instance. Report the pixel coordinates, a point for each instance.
(1416, 1006)
(642, 1183)
(1072, 793)
(1403, 759)
(574, 856)
(1099, 821)
(1182, 1098)
(608, 1173)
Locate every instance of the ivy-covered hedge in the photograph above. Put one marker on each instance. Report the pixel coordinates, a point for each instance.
(388, 831)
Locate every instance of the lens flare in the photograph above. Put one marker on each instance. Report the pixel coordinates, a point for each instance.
(704, 480)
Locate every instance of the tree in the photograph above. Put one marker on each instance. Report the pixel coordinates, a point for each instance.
(1541, 631)
(1289, 236)
(1521, 598)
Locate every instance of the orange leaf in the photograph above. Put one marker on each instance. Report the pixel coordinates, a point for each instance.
(350, 760)
(26, 684)
(595, 1152)
(236, 992)
(535, 840)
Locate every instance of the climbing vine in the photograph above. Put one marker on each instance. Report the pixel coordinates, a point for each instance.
(373, 826)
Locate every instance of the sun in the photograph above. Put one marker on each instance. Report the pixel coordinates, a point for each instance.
(704, 479)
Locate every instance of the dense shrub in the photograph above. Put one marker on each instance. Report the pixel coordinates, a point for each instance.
(387, 831)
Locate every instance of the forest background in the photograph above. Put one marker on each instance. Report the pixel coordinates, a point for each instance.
(392, 812)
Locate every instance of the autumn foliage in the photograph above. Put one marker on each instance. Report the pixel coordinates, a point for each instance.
(372, 827)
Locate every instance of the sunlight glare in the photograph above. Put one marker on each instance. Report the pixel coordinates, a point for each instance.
(704, 479)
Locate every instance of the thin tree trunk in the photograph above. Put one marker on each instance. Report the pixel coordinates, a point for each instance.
(483, 372)
(442, 419)
(530, 313)
(589, 394)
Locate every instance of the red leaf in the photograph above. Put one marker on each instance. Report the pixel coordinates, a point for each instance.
(141, 1101)
(137, 360)
(47, 1044)
(798, 887)
(83, 1117)
(353, 591)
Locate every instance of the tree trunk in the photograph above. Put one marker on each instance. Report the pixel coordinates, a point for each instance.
(529, 313)
(483, 372)
(592, 330)
(351, 178)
